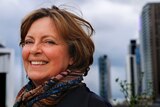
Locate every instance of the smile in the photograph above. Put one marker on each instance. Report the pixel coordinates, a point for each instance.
(38, 62)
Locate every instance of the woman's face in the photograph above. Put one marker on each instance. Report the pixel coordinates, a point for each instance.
(44, 53)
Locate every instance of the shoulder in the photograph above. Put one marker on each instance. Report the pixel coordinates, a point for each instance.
(97, 101)
(83, 97)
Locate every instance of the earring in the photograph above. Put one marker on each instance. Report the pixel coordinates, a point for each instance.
(86, 72)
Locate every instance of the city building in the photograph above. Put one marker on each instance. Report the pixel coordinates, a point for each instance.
(140, 77)
(150, 48)
(134, 73)
(104, 77)
(6, 77)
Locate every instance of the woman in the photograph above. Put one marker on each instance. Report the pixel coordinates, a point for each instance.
(57, 51)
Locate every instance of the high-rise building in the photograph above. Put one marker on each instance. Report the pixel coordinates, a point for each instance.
(140, 76)
(150, 48)
(134, 74)
(6, 81)
(104, 77)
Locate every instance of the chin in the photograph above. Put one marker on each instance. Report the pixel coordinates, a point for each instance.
(38, 80)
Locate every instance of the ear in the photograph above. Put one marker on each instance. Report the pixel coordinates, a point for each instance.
(71, 61)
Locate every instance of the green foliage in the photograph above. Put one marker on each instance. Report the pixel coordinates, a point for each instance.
(142, 100)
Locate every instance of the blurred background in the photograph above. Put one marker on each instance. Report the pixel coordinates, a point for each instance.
(117, 24)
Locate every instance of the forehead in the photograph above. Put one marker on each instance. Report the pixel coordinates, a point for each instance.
(43, 27)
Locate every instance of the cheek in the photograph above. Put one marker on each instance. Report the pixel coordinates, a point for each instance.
(51, 53)
(25, 53)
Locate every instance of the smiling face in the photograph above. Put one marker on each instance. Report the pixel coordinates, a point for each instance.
(44, 53)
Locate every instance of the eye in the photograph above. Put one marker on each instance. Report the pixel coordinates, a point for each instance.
(27, 42)
(51, 42)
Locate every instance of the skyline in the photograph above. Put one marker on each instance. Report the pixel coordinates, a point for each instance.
(116, 22)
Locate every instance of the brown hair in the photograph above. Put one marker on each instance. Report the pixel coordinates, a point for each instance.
(75, 31)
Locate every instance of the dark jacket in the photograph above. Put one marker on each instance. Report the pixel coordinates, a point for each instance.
(82, 97)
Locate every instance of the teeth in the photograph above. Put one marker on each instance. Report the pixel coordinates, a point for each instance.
(38, 62)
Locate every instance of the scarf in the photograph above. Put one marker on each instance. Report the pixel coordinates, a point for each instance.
(50, 92)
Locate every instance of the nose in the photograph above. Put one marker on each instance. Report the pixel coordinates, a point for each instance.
(36, 49)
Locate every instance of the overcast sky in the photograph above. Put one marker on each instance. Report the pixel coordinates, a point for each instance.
(116, 22)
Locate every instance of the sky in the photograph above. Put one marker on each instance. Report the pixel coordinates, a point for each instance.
(116, 22)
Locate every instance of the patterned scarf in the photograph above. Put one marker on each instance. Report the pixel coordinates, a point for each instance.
(49, 93)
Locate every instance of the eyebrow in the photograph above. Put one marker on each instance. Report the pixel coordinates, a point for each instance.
(49, 36)
(28, 36)
(43, 37)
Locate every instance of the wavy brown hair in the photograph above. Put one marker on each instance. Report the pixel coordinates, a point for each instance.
(75, 31)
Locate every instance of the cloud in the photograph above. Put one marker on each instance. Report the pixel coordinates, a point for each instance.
(92, 80)
(113, 29)
(13, 13)
(115, 23)
(117, 72)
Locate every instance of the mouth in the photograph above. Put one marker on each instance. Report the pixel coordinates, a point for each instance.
(38, 62)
